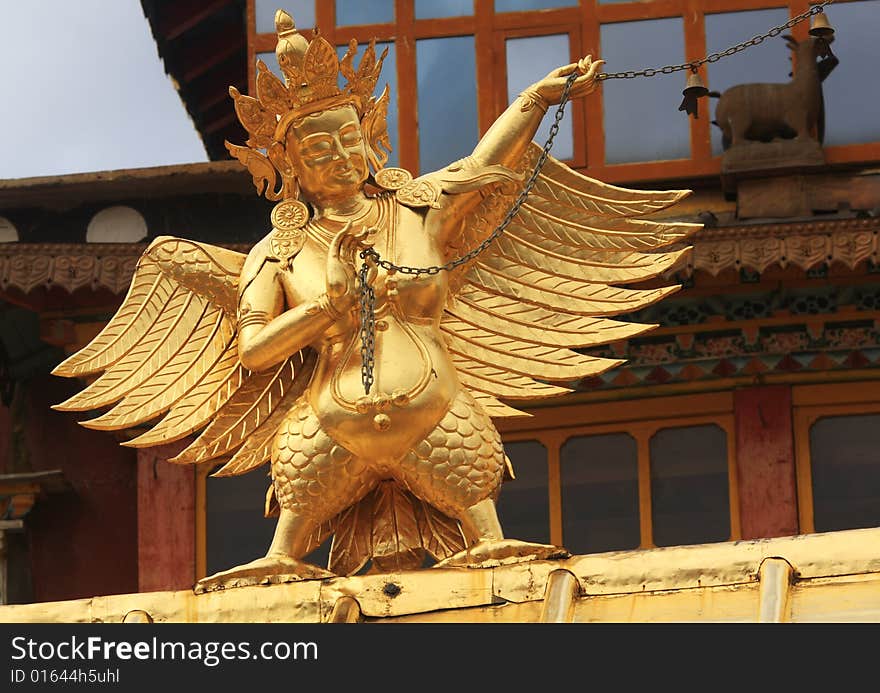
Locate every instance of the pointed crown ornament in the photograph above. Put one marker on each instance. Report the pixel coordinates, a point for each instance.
(311, 84)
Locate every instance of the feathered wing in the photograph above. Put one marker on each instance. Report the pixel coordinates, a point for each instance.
(170, 351)
(553, 281)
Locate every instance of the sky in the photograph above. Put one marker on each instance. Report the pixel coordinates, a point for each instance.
(83, 89)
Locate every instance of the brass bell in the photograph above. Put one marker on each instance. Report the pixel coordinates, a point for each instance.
(693, 91)
(821, 28)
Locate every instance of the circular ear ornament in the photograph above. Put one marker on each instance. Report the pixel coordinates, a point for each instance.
(290, 215)
(392, 178)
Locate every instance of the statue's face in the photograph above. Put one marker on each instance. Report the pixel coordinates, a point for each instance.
(329, 153)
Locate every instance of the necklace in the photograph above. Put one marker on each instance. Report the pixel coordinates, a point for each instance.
(319, 232)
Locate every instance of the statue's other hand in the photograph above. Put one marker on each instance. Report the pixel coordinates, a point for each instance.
(342, 258)
(341, 278)
(551, 87)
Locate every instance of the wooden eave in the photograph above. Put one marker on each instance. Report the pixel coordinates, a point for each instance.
(157, 181)
(203, 45)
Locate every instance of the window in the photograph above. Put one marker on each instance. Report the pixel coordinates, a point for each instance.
(477, 54)
(837, 438)
(523, 506)
(663, 475)
(845, 470)
(235, 530)
(600, 493)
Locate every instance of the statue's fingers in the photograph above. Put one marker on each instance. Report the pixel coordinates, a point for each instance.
(564, 71)
(336, 243)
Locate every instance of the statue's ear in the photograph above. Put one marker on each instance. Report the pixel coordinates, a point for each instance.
(790, 41)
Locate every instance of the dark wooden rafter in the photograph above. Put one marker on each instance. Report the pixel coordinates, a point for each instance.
(180, 16)
(203, 44)
(198, 57)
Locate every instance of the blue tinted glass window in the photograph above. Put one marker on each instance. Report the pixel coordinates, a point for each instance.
(530, 59)
(600, 493)
(846, 472)
(769, 61)
(364, 12)
(447, 100)
(236, 530)
(852, 101)
(389, 77)
(642, 120)
(690, 498)
(524, 506)
(302, 11)
(520, 5)
(429, 9)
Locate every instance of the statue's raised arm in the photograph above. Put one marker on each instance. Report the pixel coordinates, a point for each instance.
(267, 357)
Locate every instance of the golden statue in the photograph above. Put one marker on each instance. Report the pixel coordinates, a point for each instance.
(378, 431)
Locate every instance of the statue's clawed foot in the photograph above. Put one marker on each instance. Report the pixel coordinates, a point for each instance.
(264, 571)
(489, 554)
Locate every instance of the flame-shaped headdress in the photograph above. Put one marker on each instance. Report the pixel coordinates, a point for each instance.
(311, 75)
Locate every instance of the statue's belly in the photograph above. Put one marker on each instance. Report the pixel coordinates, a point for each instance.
(413, 384)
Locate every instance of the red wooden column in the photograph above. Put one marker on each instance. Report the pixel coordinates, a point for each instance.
(765, 461)
(166, 520)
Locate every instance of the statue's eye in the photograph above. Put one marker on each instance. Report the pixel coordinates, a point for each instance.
(350, 136)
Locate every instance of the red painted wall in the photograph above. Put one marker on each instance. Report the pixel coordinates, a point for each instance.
(166, 520)
(765, 461)
(83, 543)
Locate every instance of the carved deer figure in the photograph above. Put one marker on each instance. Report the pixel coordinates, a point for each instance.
(766, 111)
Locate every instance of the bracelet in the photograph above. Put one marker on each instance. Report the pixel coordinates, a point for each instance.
(253, 317)
(325, 306)
(532, 98)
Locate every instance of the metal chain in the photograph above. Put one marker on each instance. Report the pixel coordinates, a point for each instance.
(368, 295)
(370, 255)
(715, 57)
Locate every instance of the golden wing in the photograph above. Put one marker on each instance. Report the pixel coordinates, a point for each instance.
(171, 351)
(552, 281)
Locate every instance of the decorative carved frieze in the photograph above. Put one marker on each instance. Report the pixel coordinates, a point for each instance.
(72, 266)
(805, 245)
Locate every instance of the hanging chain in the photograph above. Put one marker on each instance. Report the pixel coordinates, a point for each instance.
(371, 256)
(715, 57)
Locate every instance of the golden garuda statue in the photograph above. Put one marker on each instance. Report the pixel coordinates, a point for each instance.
(371, 392)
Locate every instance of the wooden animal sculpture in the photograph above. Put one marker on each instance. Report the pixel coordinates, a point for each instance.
(794, 110)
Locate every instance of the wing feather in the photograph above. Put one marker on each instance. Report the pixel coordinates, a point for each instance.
(257, 447)
(622, 234)
(200, 403)
(175, 379)
(168, 332)
(251, 404)
(552, 280)
(504, 315)
(549, 363)
(610, 267)
(557, 294)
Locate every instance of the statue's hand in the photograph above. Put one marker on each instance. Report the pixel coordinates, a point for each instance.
(551, 87)
(341, 267)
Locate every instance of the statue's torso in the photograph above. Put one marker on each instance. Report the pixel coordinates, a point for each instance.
(414, 379)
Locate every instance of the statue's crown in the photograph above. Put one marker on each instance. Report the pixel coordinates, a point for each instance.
(311, 83)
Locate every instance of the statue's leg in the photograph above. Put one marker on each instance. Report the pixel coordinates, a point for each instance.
(314, 479)
(458, 469)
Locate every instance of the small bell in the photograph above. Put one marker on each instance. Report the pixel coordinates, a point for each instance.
(693, 91)
(821, 28)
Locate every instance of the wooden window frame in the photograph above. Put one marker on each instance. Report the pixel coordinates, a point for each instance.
(620, 417)
(582, 22)
(812, 403)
